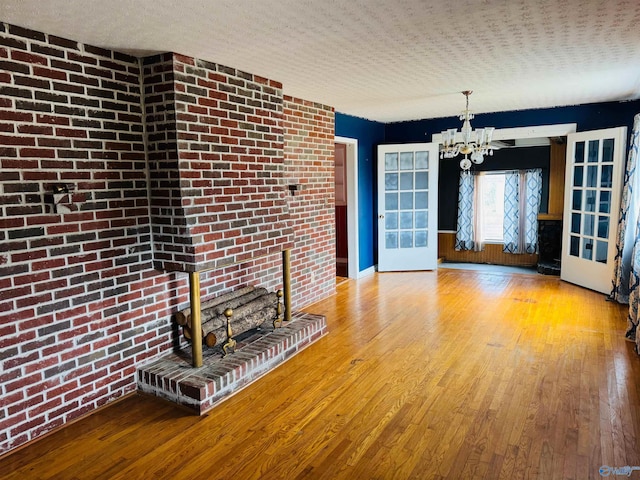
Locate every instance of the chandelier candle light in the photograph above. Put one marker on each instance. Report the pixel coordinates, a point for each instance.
(475, 143)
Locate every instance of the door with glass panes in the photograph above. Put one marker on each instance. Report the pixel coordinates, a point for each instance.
(407, 207)
(594, 170)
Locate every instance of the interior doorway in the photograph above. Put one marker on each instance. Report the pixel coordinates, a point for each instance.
(512, 137)
(342, 247)
(346, 195)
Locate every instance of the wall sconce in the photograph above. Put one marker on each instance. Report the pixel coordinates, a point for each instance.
(59, 188)
(61, 199)
(294, 187)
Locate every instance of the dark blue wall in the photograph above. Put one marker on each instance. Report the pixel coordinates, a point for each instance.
(588, 117)
(369, 135)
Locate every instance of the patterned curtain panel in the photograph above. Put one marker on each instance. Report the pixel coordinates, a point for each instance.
(522, 194)
(627, 224)
(626, 278)
(464, 232)
(478, 212)
(511, 224)
(530, 209)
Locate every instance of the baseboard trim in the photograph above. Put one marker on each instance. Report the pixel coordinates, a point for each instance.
(367, 271)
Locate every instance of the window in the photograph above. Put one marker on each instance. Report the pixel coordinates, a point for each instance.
(490, 206)
(499, 207)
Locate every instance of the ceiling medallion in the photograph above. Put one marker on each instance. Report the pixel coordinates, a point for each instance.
(476, 143)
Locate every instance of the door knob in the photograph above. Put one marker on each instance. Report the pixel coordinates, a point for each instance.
(380, 216)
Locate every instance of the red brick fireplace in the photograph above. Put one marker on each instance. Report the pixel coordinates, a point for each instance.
(173, 165)
(216, 161)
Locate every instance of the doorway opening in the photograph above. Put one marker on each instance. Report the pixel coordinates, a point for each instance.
(346, 195)
(549, 237)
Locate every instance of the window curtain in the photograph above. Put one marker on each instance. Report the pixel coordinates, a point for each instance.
(466, 232)
(511, 222)
(626, 279)
(478, 233)
(522, 194)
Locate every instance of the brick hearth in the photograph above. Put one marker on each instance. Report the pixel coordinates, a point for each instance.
(173, 378)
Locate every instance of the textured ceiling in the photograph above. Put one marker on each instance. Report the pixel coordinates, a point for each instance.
(380, 59)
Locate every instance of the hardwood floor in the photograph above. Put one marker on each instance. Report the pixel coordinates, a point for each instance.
(435, 375)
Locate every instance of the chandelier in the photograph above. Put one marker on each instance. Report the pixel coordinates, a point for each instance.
(476, 143)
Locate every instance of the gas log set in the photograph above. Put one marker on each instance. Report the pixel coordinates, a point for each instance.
(234, 313)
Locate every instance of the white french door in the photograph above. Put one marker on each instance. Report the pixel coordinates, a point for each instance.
(407, 207)
(593, 186)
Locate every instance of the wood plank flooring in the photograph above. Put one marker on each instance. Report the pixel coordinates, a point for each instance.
(434, 375)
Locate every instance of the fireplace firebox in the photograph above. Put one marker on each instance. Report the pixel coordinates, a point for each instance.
(550, 246)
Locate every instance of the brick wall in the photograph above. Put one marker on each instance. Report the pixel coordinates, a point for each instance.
(216, 161)
(82, 297)
(80, 304)
(168, 224)
(231, 165)
(309, 155)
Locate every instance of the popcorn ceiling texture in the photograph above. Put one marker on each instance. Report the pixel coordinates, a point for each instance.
(173, 165)
(389, 60)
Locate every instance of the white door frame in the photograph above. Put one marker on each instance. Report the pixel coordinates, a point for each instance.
(352, 205)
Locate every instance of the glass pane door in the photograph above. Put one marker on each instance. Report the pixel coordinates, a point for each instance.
(592, 201)
(407, 195)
